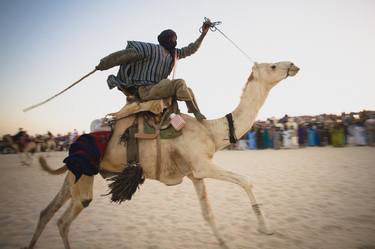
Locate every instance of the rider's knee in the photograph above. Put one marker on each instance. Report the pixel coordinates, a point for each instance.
(179, 83)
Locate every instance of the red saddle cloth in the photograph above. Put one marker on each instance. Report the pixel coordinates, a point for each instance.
(86, 153)
(101, 140)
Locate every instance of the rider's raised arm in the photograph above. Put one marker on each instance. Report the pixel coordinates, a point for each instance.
(193, 47)
(118, 58)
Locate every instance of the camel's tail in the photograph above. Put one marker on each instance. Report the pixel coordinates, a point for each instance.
(46, 167)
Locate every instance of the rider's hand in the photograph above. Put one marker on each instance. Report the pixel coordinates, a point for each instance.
(206, 26)
(100, 66)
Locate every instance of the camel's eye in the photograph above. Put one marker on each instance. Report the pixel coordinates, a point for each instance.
(273, 66)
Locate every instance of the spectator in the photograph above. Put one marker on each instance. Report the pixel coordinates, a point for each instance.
(287, 138)
(276, 138)
(302, 135)
(359, 134)
(311, 141)
(337, 135)
(251, 139)
(370, 129)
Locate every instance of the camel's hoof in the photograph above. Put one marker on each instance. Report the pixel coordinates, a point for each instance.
(223, 244)
(265, 230)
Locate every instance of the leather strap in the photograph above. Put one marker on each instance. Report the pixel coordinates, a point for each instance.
(141, 134)
(232, 134)
(158, 156)
(158, 145)
(132, 145)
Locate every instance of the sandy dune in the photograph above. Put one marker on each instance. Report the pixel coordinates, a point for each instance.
(318, 198)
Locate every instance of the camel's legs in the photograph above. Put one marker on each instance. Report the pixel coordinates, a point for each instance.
(27, 154)
(75, 207)
(26, 159)
(82, 194)
(29, 158)
(62, 196)
(20, 156)
(200, 188)
(215, 172)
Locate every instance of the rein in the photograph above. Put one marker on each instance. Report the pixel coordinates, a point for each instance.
(213, 28)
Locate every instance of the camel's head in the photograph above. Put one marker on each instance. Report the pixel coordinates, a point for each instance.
(273, 73)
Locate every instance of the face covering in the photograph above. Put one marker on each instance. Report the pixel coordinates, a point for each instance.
(165, 40)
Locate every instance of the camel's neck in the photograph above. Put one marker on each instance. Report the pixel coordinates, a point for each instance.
(252, 99)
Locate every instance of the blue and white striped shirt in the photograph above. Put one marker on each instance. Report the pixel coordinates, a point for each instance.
(155, 64)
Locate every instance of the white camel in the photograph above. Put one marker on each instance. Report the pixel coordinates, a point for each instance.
(187, 155)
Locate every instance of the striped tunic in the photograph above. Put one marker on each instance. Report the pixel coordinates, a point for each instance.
(154, 65)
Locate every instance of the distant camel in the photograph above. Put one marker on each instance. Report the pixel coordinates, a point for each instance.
(187, 155)
(23, 149)
(47, 144)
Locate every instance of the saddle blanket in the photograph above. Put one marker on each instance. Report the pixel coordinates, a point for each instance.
(86, 153)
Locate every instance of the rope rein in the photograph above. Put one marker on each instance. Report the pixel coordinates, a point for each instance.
(214, 28)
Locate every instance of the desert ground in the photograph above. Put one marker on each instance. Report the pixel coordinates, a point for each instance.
(316, 198)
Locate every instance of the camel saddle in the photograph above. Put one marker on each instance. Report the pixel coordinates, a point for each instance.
(152, 122)
(154, 106)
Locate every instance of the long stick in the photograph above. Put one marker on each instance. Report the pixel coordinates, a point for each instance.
(54, 96)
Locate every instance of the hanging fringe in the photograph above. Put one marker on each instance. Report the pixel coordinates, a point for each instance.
(125, 184)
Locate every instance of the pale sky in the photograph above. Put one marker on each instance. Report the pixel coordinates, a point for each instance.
(47, 45)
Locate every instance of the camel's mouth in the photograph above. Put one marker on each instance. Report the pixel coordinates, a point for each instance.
(292, 70)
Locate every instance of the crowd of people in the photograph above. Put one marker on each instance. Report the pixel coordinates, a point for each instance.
(48, 141)
(284, 133)
(64, 141)
(302, 131)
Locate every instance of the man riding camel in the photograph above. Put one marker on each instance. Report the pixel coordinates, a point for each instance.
(20, 139)
(144, 69)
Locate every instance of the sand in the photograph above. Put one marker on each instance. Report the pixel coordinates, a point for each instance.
(319, 198)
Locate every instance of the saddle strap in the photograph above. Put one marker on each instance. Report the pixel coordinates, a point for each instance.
(141, 134)
(158, 156)
(132, 145)
(158, 144)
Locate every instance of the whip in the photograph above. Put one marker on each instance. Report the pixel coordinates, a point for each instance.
(54, 96)
(213, 28)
